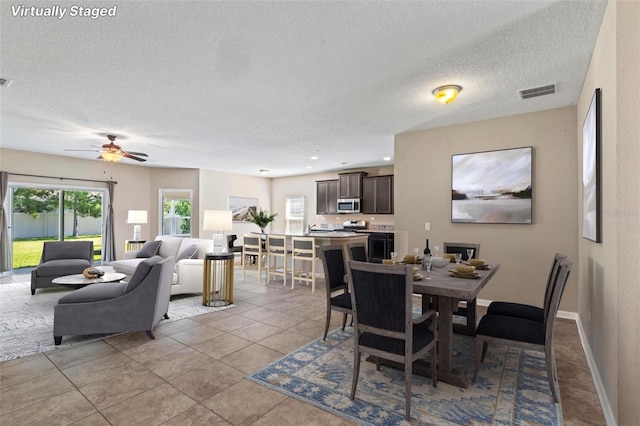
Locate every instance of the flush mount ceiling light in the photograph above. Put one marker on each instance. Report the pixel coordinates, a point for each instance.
(264, 171)
(446, 94)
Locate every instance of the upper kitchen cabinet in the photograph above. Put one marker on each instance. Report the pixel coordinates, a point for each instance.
(327, 196)
(377, 195)
(350, 184)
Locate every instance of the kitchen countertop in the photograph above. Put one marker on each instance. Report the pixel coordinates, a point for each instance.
(318, 234)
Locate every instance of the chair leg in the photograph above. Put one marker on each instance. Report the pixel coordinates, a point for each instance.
(57, 340)
(150, 334)
(485, 346)
(326, 325)
(344, 320)
(356, 372)
(408, 374)
(552, 374)
(166, 315)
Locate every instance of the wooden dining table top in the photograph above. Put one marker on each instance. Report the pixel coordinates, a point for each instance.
(442, 283)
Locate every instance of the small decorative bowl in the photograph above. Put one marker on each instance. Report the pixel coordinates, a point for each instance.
(476, 262)
(439, 262)
(465, 269)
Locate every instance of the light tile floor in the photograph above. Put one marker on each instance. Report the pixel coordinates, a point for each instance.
(193, 372)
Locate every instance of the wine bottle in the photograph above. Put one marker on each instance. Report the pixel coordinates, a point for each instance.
(426, 250)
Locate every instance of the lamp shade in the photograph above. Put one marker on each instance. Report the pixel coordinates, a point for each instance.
(137, 216)
(217, 220)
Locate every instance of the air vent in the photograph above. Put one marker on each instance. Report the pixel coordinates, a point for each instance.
(537, 91)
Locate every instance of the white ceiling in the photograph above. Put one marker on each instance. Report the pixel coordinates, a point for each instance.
(243, 86)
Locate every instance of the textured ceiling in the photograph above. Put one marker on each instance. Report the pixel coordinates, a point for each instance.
(243, 86)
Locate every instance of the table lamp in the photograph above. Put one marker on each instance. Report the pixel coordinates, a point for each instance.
(218, 221)
(137, 217)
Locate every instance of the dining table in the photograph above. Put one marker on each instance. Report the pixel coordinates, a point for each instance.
(446, 291)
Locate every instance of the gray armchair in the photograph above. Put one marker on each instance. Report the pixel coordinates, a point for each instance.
(107, 308)
(61, 258)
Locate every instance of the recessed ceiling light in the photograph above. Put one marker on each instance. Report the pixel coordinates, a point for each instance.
(387, 158)
(309, 167)
(264, 171)
(313, 157)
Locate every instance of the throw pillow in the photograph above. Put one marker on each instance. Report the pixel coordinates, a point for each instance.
(149, 249)
(187, 253)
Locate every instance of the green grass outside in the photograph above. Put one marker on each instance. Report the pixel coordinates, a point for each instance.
(27, 251)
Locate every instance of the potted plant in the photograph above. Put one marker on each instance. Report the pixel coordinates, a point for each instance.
(262, 218)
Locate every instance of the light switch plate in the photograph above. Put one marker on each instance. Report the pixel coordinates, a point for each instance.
(427, 226)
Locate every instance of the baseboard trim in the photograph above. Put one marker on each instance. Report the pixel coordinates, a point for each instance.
(607, 410)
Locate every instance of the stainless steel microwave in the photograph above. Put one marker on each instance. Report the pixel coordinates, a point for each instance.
(349, 205)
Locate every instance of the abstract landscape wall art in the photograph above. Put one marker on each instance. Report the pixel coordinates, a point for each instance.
(241, 206)
(591, 171)
(492, 186)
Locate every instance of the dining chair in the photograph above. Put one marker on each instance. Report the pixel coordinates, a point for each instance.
(334, 273)
(520, 310)
(276, 252)
(358, 252)
(303, 261)
(231, 238)
(468, 311)
(382, 300)
(526, 333)
(252, 252)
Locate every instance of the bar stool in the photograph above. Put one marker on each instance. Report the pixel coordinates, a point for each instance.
(277, 249)
(303, 261)
(252, 250)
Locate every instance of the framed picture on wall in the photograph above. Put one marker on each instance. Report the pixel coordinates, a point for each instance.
(591, 226)
(492, 186)
(241, 206)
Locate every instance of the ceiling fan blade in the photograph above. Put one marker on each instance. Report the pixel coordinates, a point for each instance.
(133, 157)
(139, 154)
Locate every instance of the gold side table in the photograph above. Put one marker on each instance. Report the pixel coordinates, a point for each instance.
(217, 279)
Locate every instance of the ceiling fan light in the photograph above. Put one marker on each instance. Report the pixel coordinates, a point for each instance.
(112, 157)
(446, 94)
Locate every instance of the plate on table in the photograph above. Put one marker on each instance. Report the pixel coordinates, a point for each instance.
(484, 267)
(456, 274)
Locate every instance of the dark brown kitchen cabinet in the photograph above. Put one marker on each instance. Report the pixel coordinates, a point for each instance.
(327, 196)
(350, 184)
(377, 195)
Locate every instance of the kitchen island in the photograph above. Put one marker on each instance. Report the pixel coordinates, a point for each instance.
(328, 238)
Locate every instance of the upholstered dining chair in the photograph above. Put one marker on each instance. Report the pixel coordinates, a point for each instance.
(520, 310)
(382, 300)
(358, 252)
(338, 297)
(526, 333)
(468, 311)
(232, 247)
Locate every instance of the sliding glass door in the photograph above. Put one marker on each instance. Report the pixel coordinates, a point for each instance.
(47, 213)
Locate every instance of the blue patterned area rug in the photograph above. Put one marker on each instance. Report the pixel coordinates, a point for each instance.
(511, 389)
(26, 321)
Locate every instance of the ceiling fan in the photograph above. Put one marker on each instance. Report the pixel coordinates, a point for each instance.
(112, 152)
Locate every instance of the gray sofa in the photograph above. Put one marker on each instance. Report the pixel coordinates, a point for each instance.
(187, 273)
(105, 308)
(61, 258)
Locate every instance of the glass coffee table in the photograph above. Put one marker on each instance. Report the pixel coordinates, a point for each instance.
(79, 280)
